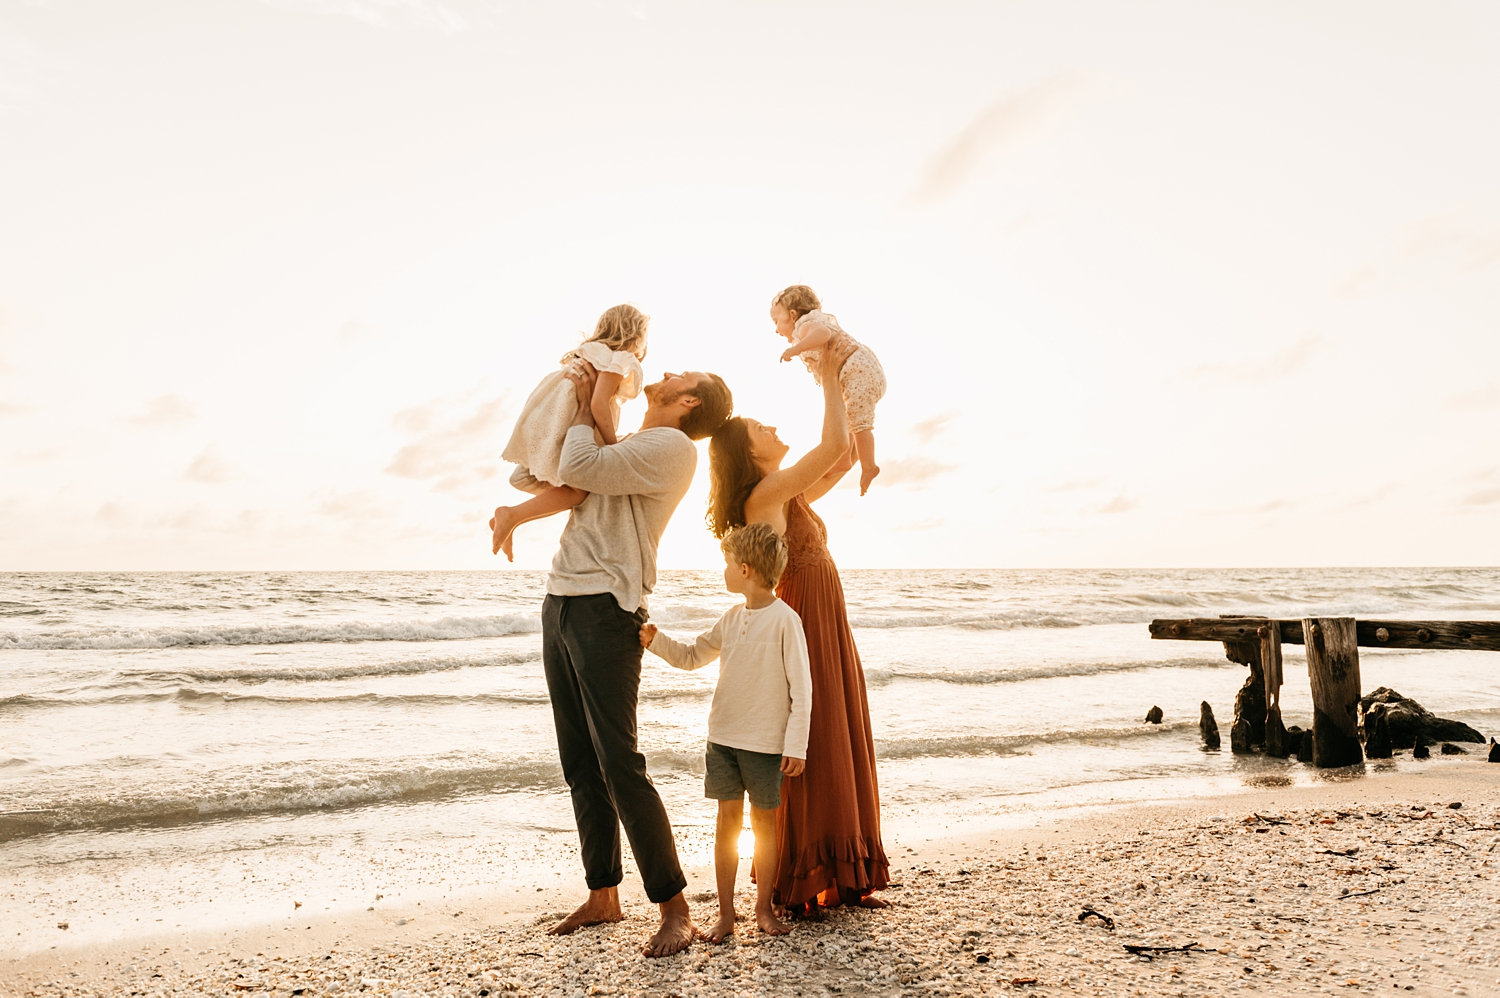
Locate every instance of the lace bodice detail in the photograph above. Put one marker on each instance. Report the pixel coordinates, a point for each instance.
(806, 537)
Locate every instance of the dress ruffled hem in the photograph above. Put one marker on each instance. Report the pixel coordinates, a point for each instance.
(831, 873)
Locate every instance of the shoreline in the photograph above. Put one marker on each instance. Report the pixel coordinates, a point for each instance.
(1008, 894)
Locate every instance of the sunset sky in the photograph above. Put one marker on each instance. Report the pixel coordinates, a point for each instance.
(1154, 283)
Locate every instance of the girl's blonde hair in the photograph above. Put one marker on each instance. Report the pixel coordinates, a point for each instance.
(799, 299)
(622, 328)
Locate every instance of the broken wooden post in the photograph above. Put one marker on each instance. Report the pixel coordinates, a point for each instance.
(1333, 668)
(1270, 667)
(1249, 726)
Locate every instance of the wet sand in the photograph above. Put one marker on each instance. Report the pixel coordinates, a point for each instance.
(1372, 885)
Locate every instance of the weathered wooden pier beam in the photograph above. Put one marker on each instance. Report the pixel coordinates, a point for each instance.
(1333, 668)
(1476, 635)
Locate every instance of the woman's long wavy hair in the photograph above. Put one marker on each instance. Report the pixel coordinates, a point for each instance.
(732, 476)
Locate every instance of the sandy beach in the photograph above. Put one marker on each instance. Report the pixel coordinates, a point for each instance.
(1382, 883)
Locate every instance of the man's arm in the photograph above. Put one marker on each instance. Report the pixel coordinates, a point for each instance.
(695, 656)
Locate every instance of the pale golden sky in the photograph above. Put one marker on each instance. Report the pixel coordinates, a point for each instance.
(1164, 283)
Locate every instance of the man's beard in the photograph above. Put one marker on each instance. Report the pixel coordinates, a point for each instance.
(657, 394)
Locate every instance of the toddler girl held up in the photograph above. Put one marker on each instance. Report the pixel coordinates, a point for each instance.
(615, 350)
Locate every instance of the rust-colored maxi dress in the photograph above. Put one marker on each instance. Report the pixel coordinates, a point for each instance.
(829, 820)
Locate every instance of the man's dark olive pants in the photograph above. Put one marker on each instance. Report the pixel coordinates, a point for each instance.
(591, 652)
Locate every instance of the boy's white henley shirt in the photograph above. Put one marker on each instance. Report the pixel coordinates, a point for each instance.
(763, 702)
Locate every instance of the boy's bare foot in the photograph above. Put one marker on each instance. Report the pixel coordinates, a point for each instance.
(602, 906)
(867, 473)
(722, 930)
(676, 932)
(770, 924)
(871, 901)
(503, 523)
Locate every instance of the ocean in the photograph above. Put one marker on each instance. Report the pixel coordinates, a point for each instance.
(191, 749)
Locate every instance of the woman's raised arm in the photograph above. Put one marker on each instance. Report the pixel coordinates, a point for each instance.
(776, 489)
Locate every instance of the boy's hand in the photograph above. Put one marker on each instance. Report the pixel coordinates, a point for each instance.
(648, 632)
(792, 767)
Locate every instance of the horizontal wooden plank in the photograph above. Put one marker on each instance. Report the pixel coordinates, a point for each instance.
(1480, 635)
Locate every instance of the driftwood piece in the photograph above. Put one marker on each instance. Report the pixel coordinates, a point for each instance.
(1474, 635)
(1207, 726)
(1105, 920)
(1150, 952)
(1333, 667)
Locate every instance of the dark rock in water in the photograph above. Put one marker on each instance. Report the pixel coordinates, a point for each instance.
(1239, 736)
(1294, 743)
(1377, 733)
(1407, 719)
(1453, 750)
(1207, 726)
(1277, 744)
(1153, 716)
(1420, 749)
(1494, 750)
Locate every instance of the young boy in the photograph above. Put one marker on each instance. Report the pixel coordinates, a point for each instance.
(762, 707)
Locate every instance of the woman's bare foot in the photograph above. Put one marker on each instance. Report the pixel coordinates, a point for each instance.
(503, 523)
(722, 930)
(676, 932)
(602, 906)
(770, 924)
(871, 901)
(867, 473)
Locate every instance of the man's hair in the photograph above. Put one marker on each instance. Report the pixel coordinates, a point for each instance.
(714, 405)
(759, 546)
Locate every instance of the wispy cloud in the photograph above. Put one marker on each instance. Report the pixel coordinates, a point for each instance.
(1287, 360)
(383, 13)
(165, 410)
(1119, 504)
(917, 472)
(931, 523)
(208, 469)
(1482, 397)
(1000, 123)
(929, 430)
(1484, 497)
(1462, 239)
(457, 448)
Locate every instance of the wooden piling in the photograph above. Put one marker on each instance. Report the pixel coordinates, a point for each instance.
(1270, 668)
(1333, 668)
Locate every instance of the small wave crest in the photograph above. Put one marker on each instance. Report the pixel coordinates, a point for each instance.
(349, 670)
(960, 746)
(985, 677)
(444, 629)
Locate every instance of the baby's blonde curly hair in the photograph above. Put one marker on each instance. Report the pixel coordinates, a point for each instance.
(622, 328)
(799, 299)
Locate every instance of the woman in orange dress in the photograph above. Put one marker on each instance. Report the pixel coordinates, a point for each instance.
(828, 825)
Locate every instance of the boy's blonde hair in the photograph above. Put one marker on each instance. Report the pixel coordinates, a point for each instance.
(759, 546)
(622, 328)
(799, 299)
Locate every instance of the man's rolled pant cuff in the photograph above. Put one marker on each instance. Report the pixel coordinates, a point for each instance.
(605, 883)
(661, 895)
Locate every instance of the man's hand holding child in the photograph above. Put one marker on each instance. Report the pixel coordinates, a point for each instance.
(792, 767)
(648, 631)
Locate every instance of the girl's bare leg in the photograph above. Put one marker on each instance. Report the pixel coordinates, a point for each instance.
(727, 865)
(508, 518)
(864, 445)
(763, 823)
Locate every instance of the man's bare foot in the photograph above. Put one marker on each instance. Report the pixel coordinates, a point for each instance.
(770, 924)
(722, 930)
(676, 932)
(867, 473)
(871, 901)
(503, 523)
(602, 906)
